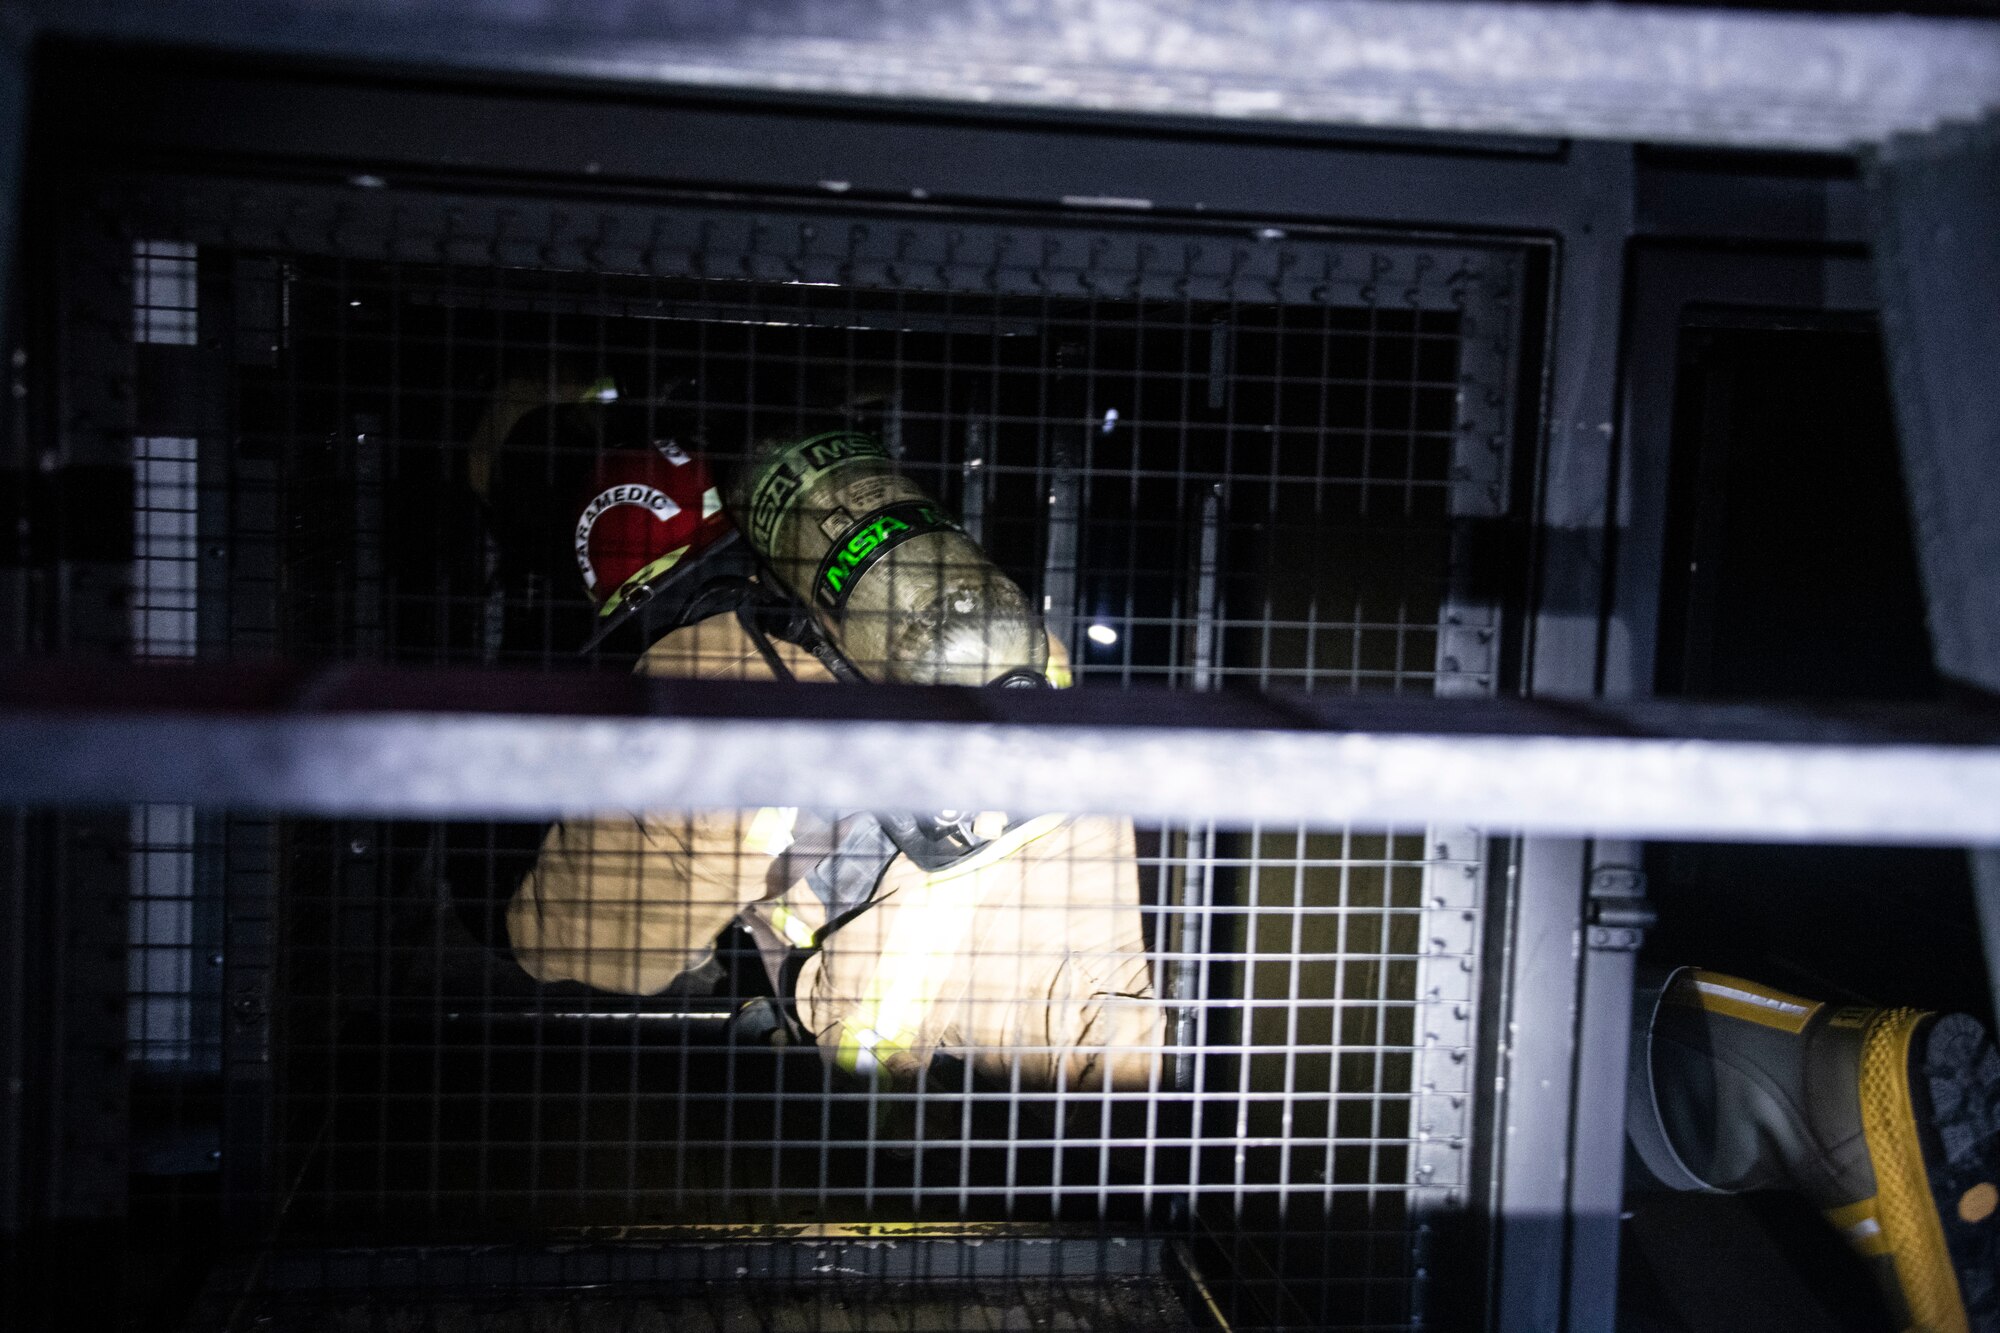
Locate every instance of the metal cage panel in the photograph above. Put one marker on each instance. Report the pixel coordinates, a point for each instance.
(1221, 458)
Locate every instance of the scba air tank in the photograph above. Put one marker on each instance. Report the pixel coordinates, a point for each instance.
(904, 594)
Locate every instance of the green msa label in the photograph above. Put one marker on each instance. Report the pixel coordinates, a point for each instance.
(873, 537)
(792, 470)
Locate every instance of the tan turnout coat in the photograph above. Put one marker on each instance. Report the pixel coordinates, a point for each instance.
(1027, 959)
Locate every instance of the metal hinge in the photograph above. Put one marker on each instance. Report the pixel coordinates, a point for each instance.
(1619, 915)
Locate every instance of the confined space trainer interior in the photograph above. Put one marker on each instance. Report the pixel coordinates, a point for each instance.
(866, 667)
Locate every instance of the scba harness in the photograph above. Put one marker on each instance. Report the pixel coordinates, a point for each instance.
(725, 580)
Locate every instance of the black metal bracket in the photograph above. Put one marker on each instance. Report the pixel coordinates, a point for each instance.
(1619, 914)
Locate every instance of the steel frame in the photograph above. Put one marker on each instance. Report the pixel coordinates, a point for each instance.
(1543, 1017)
(1666, 277)
(384, 741)
(1701, 75)
(1480, 281)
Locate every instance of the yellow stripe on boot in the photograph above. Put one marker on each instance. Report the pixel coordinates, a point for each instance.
(1747, 1000)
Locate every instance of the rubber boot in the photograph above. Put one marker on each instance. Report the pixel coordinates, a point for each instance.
(1887, 1120)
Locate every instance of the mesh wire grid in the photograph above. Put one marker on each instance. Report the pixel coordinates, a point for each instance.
(1220, 459)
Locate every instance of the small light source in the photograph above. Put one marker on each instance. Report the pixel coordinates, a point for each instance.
(354, 303)
(1103, 635)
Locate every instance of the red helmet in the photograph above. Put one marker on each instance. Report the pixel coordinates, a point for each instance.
(647, 510)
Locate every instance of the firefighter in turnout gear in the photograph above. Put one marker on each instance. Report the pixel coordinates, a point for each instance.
(1013, 942)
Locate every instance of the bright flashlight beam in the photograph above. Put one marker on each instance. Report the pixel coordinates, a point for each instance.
(1102, 634)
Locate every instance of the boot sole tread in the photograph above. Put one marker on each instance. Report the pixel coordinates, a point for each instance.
(1955, 1091)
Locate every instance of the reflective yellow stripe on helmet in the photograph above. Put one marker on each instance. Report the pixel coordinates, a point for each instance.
(646, 575)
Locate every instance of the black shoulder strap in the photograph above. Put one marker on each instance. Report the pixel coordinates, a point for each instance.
(751, 616)
(771, 614)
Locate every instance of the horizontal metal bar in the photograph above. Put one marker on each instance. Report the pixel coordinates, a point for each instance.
(792, 1253)
(823, 1091)
(1681, 74)
(383, 741)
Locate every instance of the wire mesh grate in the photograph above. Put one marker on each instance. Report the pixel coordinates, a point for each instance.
(1226, 459)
